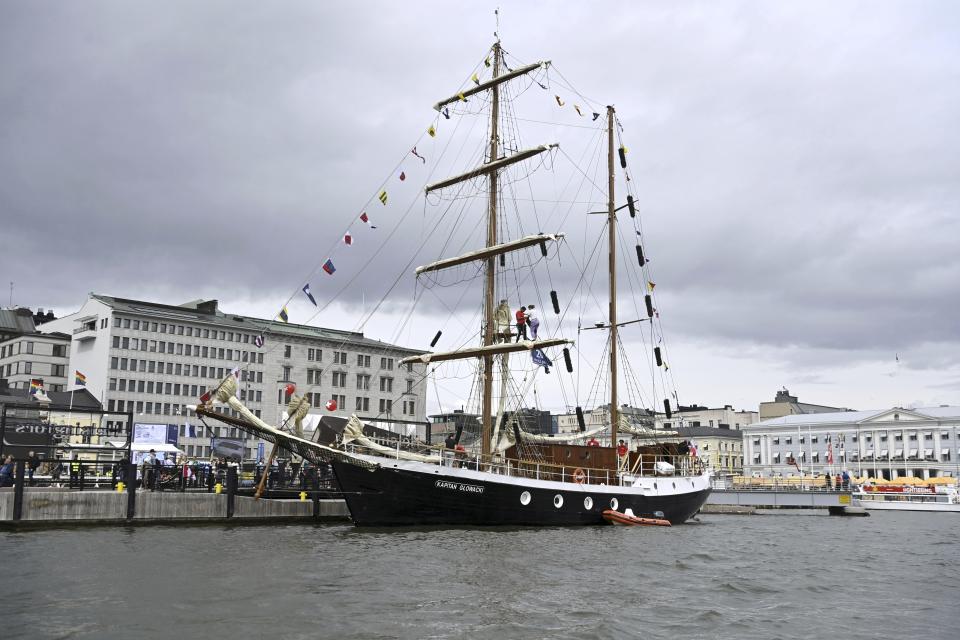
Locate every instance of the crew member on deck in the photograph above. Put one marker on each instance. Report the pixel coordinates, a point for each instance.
(450, 442)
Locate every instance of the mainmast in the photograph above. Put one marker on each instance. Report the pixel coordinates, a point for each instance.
(612, 267)
(490, 293)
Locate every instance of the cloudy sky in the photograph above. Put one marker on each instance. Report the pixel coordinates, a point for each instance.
(798, 166)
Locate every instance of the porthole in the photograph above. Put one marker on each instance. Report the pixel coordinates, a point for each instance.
(558, 501)
(588, 503)
(614, 504)
(654, 485)
(674, 485)
(525, 498)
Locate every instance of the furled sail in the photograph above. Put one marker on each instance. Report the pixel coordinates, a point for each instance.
(489, 84)
(491, 167)
(353, 432)
(488, 350)
(489, 252)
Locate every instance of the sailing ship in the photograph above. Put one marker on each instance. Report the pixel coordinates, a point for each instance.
(508, 475)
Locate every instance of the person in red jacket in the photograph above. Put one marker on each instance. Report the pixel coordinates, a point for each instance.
(521, 323)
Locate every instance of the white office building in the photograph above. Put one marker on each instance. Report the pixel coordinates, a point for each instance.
(890, 443)
(155, 359)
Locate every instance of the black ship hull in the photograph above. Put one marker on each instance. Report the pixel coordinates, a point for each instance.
(393, 496)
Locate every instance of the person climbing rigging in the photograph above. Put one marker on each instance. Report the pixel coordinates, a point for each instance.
(502, 321)
(533, 321)
(521, 316)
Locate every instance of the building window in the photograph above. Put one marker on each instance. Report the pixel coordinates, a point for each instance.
(409, 386)
(286, 374)
(363, 404)
(287, 351)
(315, 355)
(386, 406)
(363, 381)
(363, 361)
(788, 440)
(386, 363)
(386, 385)
(339, 379)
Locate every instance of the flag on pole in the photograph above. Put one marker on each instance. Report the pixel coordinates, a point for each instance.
(383, 197)
(36, 386)
(258, 341)
(81, 379)
(283, 315)
(328, 266)
(306, 290)
(347, 239)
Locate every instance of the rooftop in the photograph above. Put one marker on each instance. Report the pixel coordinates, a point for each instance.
(854, 417)
(207, 311)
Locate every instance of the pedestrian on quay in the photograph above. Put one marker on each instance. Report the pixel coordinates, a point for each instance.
(149, 461)
(521, 317)
(6, 472)
(74, 472)
(33, 462)
(829, 481)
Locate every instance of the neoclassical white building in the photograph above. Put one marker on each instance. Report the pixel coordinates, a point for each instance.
(890, 443)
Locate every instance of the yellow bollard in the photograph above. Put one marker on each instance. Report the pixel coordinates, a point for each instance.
(303, 496)
(120, 487)
(218, 488)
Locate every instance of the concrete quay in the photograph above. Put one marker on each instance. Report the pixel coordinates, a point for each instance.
(52, 507)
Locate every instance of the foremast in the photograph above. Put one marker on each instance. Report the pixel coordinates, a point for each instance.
(491, 271)
(491, 168)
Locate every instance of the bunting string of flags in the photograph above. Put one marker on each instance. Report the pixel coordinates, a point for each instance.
(283, 316)
(328, 267)
(383, 197)
(414, 152)
(306, 290)
(348, 239)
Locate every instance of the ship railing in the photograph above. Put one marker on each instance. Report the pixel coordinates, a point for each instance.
(683, 465)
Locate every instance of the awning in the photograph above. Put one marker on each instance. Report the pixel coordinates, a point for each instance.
(884, 453)
(928, 434)
(159, 448)
(913, 452)
(927, 452)
(898, 453)
(789, 454)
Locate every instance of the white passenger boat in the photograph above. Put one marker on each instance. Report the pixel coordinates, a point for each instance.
(908, 498)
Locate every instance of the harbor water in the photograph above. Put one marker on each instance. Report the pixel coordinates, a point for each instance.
(788, 574)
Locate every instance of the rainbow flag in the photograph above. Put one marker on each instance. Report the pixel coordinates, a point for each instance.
(36, 385)
(81, 379)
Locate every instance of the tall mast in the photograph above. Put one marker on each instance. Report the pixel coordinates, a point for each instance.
(612, 267)
(488, 332)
